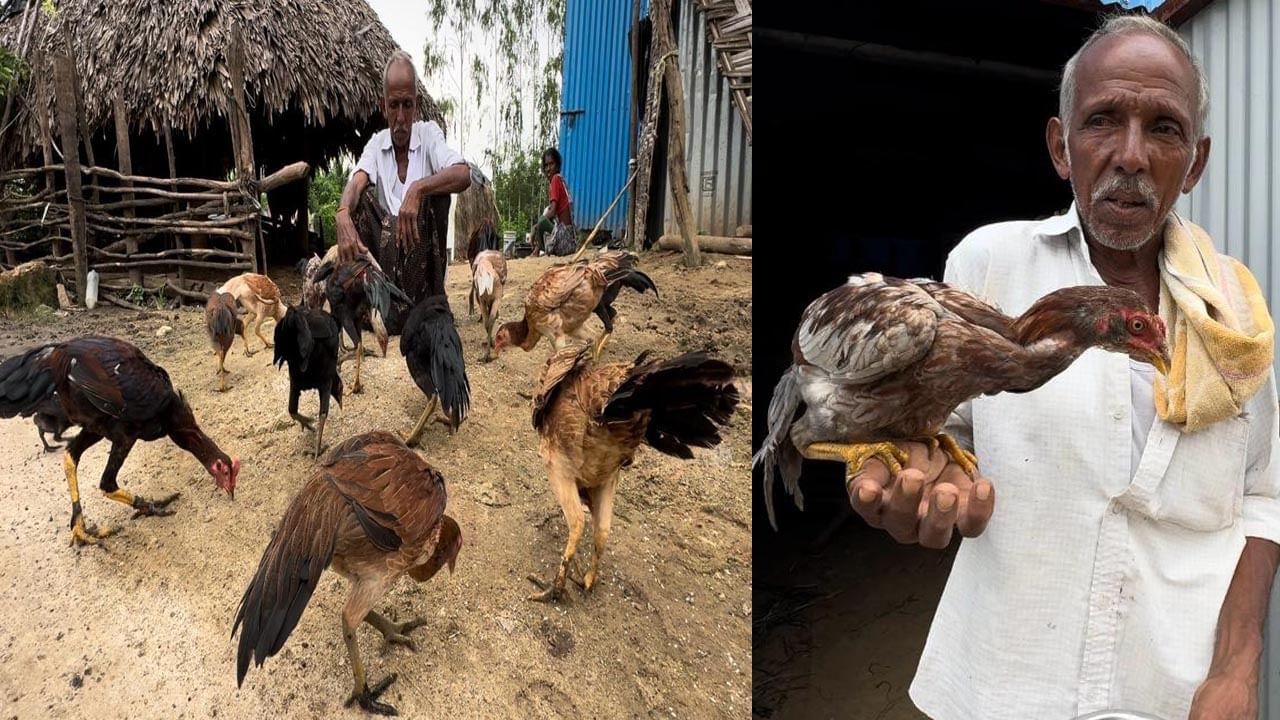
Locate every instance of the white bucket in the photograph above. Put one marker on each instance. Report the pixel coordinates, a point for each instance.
(508, 239)
(91, 290)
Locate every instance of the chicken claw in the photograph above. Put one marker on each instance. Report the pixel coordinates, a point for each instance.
(855, 455)
(394, 633)
(143, 508)
(965, 459)
(90, 536)
(368, 697)
(550, 593)
(303, 420)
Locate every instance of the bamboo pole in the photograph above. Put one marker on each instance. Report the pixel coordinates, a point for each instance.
(582, 248)
(676, 173)
(125, 159)
(64, 72)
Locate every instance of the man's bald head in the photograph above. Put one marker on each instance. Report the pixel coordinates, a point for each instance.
(399, 71)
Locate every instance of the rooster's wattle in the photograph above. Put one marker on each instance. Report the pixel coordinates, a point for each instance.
(881, 360)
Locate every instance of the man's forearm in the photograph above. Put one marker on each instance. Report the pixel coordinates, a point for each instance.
(1239, 640)
(351, 193)
(453, 179)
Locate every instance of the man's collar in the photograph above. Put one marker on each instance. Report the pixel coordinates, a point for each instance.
(1060, 225)
(414, 140)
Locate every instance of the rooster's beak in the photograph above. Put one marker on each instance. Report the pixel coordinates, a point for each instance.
(1160, 360)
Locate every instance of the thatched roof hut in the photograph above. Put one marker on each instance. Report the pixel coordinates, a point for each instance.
(313, 75)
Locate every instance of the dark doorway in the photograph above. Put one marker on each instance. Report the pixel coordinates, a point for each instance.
(942, 131)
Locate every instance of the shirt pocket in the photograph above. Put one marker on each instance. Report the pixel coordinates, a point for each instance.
(1203, 489)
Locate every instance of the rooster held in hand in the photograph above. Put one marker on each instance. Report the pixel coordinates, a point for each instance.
(433, 352)
(881, 359)
(592, 419)
(375, 511)
(564, 296)
(307, 340)
(223, 322)
(112, 391)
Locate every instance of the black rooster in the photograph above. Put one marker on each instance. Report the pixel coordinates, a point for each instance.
(356, 290)
(112, 391)
(307, 340)
(433, 352)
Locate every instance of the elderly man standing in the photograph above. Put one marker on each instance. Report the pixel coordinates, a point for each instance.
(410, 167)
(1129, 560)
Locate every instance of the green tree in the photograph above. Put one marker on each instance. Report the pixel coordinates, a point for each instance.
(326, 193)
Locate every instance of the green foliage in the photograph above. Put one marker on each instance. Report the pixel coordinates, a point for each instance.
(520, 190)
(325, 195)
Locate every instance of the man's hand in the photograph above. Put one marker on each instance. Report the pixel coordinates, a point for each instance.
(1227, 695)
(407, 225)
(929, 498)
(349, 245)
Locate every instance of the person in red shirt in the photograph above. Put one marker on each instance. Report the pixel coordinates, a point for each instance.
(555, 232)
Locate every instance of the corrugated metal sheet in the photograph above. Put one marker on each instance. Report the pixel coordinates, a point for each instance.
(1238, 199)
(716, 149)
(595, 119)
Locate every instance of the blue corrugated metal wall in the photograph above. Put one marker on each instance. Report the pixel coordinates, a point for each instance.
(595, 107)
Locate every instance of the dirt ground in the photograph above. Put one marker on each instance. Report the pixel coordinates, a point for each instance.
(143, 629)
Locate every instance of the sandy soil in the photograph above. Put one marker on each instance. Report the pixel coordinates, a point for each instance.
(143, 629)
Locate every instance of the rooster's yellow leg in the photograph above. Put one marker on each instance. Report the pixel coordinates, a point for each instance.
(965, 459)
(413, 437)
(141, 505)
(854, 455)
(80, 535)
(357, 387)
(599, 348)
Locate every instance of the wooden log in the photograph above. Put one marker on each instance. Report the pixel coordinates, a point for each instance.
(188, 220)
(191, 294)
(710, 243)
(148, 231)
(676, 173)
(193, 252)
(285, 175)
(82, 120)
(125, 159)
(171, 262)
(64, 72)
(121, 302)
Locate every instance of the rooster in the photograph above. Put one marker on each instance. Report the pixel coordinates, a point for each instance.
(307, 340)
(260, 297)
(562, 298)
(111, 390)
(375, 511)
(593, 418)
(223, 322)
(488, 277)
(433, 352)
(881, 360)
(358, 292)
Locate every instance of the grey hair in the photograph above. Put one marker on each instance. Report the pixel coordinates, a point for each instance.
(1117, 24)
(397, 57)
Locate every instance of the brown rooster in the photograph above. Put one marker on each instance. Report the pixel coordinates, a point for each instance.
(564, 296)
(223, 321)
(112, 391)
(593, 418)
(260, 297)
(375, 511)
(488, 277)
(880, 360)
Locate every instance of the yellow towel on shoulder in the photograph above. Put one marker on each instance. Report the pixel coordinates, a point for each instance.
(1221, 337)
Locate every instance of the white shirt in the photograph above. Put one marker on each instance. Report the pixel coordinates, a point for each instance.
(428, 155)
(1093, 587)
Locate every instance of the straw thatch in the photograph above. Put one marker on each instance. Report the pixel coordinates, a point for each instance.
(313, 72)
(474, 206)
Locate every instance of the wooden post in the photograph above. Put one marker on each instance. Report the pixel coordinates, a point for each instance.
(82, 122)
(676, 174)
(173, 173)
(64, 89)
(50, 180)
(644, 156)
(241, 137)
(125, 160)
